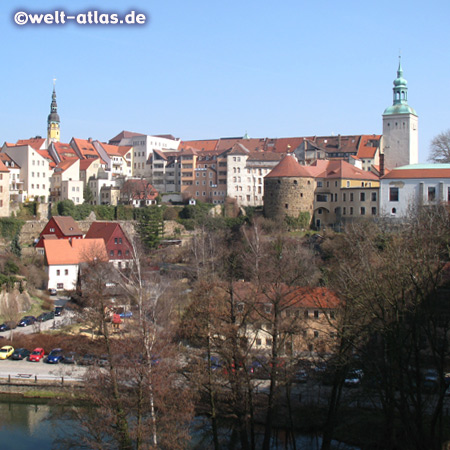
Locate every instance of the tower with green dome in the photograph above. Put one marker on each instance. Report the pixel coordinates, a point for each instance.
(400, 127)
(53, 121)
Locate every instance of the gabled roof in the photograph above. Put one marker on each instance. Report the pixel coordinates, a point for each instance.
(339, 169)
(369, 144)
(264, 156)
(289, 167)
(303, 297)
(124, 135)
(85, 163)
(85, 147)
(202, 145)
(3, 168)
(418, 171)
(68, 226)
(102, 230)
(111, 150)
(8, 161)
(124, 149)
(64, 151)
(239, 149)
(36, 143)
(62, 251)
(65, 164)
(253, 144)
(283, 145)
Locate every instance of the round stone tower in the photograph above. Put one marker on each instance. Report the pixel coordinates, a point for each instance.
(288, 190)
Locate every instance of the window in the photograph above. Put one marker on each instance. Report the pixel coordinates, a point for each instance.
(431, 194)
(363, 210)
(120, 240)
(268, 341)
(58, 273)
(59, 285)
(344, 197)
(316, 314)
(374, 211)
(393, 194)
(351, 210)
(351, 196)
(320, 184)
(111, 253)
(66, 271)
(362, 197)
(332, 315)
(306, 314)
(344, 211)
(335, 184)
(116, 241)
(119, 253)
(348, 183)
(258, 341)
(316, 334)
(374, 196)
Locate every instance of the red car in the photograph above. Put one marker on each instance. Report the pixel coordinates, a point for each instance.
(36, 355)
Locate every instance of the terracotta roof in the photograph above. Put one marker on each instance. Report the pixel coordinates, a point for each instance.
(3, 168)
(342, 169)
(7, 160)
(65, 164)
(289, 167)
(254, 144)
(422, 171)
(85, 147)
(64, 151)
(85, 163)
(202, 145)
(264, 156)
(102, 230)
(124, 149)
(239, 149)
(283, 145)
(68, 226)
(295, 297)
(62, 251)
(35, 143)
(111, 150)
(369, 144)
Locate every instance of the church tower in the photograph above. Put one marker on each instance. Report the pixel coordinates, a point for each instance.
(53, 120)
(400, 127)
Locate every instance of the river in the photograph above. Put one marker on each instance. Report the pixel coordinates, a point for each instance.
(36, 425)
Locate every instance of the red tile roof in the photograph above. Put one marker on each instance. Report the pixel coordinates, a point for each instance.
(7, 160)
(62, 251)
(102, 230)
(85, 163)
(111, 150)
(65, 164)
(3, 168)
(64, 151)
(417, 173)
(124, 135)
(35, 143)
(85, 147)
(289, 167)
(203, 145)
(369, 144)
(339, 169)
(68, 226)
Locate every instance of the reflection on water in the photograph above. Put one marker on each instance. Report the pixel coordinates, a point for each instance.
(38, 425)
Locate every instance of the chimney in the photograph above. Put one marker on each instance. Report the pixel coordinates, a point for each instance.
(339, 141)
(381, 164)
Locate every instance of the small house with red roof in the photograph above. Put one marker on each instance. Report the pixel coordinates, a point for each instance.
(118, 247)
(63, 258)
(138, 192)
(59, 227)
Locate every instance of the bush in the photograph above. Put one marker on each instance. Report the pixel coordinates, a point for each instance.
(10, 226)
(170, 213)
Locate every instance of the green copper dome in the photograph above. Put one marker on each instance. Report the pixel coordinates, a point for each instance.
(400, 103)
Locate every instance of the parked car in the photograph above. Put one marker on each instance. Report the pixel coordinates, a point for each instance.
(301, 376)
(87, 360)
(103, 361)
(46, 316)
(27, 320)
(353, 378)
(6, 352)
(20, 354)
(36, 355)
(8, 326)
(70, 358)
(55, 356)
(52, 291)
(126, 314)
(59, 310)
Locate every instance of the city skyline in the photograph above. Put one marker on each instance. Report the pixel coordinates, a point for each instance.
(203, 71)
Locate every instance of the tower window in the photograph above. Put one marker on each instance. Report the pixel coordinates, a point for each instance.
(393, 194)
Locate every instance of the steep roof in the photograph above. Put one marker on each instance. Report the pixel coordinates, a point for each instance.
(111, 150)
(35, 143)
(3, 168)
(85, 163)
(85, 147)
(102, 230)
(64, 151)
(65, 164)
(68, 226)
(369, 144)
(124, 135)
(289, 167)
(62, 251)
(417, 171)
(8, 161)
(339, 169)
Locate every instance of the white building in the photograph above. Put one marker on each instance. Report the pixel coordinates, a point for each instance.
(413, 186)
(143, 146)
(65, 182)
(63, 257)
(35, 170)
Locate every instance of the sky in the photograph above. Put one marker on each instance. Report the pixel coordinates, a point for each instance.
(206, 69)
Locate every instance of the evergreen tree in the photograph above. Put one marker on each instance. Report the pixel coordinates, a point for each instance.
(88, 196)
(16, 249)
(150, 226)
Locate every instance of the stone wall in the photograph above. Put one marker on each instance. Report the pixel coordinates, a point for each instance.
(288, 196)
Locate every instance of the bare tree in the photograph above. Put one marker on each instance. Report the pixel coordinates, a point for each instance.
(440, 148)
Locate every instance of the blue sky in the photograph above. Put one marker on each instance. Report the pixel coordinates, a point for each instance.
(205, 69)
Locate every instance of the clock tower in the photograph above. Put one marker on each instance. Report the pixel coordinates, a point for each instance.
(53, 120)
